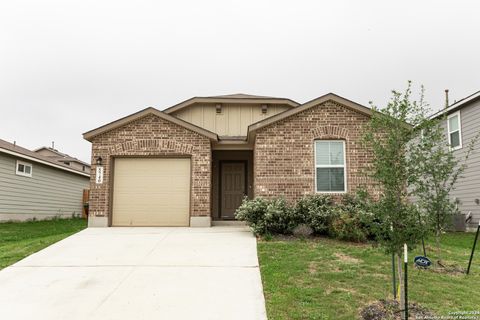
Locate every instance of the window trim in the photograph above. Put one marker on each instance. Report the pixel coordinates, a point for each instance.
(459, 130)
(344, 166)
(20, 173)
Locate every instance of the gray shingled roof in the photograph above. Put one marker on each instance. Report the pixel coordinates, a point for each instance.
(31, 154)
(457, 105)
(61, 156)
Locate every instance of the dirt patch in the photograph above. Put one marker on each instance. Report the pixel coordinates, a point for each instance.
(336, 270)
(331, 290)
(436, 250)
(381, 276)
(346, 258)
(312, 267)
(390, 309)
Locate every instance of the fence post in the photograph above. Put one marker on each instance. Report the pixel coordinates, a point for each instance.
(85, 197)
(394, 282)
(405, 249)
(473, 249)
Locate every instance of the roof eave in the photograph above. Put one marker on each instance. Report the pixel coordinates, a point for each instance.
(89, 135)
(457, 105)
(322, 99)
(33, 159)
(194, 100)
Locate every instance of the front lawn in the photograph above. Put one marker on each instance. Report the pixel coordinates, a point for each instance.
(330, 279)
(21, 239)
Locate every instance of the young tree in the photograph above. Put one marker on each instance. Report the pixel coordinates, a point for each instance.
(434, 174)
(389, 132)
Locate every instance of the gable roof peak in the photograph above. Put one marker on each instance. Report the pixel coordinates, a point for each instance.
(310, 104)
(240, 98)
(89, 135)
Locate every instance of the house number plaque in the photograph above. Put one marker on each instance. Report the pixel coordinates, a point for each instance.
(99, 175)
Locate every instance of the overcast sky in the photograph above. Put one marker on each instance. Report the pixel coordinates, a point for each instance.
(70, 66)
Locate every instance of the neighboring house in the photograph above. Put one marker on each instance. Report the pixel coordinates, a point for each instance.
(35, 186)
(64, 158)
(194, 162)
(462, 125)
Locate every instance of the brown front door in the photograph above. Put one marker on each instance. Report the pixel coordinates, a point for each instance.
(232, 187)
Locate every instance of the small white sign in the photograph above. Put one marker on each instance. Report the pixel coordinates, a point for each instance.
(99, 175)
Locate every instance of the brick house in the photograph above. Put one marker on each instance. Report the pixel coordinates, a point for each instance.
(193, 163)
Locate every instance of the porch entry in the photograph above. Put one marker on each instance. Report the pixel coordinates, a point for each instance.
(233, 186)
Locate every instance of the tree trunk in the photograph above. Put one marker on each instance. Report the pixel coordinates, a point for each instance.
(400, 283)
(438, 233)
(437, 241)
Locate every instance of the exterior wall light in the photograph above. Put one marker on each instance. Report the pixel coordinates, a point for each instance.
(264, 108)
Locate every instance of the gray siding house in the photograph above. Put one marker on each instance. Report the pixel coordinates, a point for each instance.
(462, 125)
(35, 186)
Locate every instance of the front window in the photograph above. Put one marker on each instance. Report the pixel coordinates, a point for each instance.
(454, 131)
(330, 175)
(24, 169)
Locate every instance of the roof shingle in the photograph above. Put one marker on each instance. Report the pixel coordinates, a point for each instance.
(31, 154)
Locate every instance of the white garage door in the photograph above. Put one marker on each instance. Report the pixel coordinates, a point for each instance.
(151, 192)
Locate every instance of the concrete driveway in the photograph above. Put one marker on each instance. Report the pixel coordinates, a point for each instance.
(138, 273)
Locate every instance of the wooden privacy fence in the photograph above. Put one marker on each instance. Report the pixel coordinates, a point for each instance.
(86, 195)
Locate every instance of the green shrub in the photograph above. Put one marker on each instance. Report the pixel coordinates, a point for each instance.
(267, 216)
(353, 218)
(316, 211)
(253, 213)
(350, 220)
(280, 217)
(346, 226)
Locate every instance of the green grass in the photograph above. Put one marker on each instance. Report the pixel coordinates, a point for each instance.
(20, 239)
(329, 279)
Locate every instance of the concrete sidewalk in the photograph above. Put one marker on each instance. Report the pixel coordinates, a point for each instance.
(138, 273)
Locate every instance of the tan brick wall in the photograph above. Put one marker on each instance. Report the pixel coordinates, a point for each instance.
(284, 151)
(152, 136)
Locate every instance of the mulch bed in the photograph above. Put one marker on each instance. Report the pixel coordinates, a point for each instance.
(390, 309)
(442, 267)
